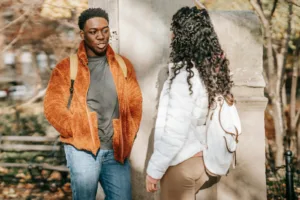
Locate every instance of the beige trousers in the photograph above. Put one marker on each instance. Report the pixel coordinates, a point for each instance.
(183, 181)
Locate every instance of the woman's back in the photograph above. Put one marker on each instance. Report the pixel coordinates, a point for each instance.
(198, 73)
(180, 114)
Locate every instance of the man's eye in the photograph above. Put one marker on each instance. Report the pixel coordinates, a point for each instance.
(93, 32)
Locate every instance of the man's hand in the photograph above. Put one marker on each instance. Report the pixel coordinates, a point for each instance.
(151, 184)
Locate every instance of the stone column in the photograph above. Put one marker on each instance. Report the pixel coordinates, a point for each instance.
(2, 39)
(144, 38)
(240, 36)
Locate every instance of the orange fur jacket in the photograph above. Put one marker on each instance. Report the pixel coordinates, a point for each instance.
(78, 126)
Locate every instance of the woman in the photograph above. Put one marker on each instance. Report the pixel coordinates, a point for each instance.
(198, 72)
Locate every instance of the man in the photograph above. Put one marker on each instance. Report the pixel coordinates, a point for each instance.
(99, 124)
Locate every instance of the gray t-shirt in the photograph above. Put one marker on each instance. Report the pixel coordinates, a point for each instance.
(102, 98)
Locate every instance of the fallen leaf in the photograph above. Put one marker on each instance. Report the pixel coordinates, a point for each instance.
(3, 170)
(21, 175)
(29, 186)
(272, 179)
(45, 173)
(20, 186)
(67, 187)
(55, 176)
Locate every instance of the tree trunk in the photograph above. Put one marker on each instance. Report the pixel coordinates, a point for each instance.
(298, 148)
(1, 44)
(284, 97)
(279, 131)
(293, 108)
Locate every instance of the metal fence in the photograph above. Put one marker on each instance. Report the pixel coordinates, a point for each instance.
(284, 182)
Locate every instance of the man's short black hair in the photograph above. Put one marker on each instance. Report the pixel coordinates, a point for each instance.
(91, 13)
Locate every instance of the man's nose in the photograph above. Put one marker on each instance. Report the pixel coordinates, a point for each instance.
(99, 35)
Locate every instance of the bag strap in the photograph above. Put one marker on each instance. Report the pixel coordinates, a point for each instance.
(122, 64)
(73, 74)
(73, 66)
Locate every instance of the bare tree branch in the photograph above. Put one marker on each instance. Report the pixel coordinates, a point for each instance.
(270, 111)
(268, 35)
(282, 67)
(267, 88)
(260, 4)
(293, 2)
(276, 62)
(32, 7)
(265, 77)
(20, 32)
(69, 24)
(11, 109)
(24, 15)
(296, 56)
(285, 46)
(4, 2)
(60, 47)
(274, 8)
(64, 7)
(260, 13)
(39, 94)
(297, 116)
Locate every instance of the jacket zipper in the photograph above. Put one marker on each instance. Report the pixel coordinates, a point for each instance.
(71, 93)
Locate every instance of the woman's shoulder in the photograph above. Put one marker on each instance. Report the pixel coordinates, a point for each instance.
(182, 73)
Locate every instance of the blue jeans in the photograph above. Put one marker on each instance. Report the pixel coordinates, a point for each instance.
(87, 170)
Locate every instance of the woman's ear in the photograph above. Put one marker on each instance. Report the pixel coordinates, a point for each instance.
(199, 5)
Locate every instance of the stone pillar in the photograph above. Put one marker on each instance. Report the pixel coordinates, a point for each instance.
(240, 36)
(144, 38)
(2, 39)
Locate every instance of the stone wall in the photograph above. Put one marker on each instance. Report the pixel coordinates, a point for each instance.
(144, 37)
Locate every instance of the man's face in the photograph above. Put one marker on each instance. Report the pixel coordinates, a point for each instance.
(96, 36)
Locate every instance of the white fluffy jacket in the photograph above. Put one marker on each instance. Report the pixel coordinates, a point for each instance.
(179, 115)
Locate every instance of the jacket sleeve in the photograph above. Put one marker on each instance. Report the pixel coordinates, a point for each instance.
(135, 98)
(55, 103)
(178, 108)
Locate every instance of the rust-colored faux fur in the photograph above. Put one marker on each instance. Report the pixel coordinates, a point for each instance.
(72, 124)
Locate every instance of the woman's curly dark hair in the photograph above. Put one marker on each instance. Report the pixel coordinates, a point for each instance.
(195, 43)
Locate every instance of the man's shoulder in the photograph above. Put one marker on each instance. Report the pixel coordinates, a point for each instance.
(64, 64)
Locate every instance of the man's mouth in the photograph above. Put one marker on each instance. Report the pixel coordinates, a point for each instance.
(101, 45)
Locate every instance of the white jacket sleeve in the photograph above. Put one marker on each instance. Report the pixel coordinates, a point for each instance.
(174, 129)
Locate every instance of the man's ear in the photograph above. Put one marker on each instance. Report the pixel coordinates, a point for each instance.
(109, 31)
(81, 33)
